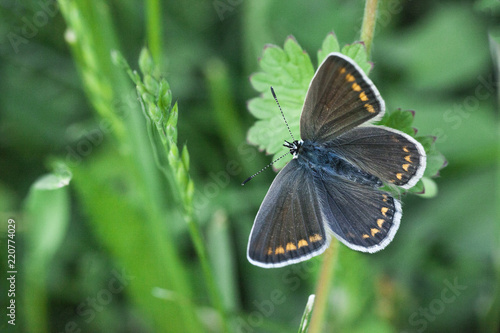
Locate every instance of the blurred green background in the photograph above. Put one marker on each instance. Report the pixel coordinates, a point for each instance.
(109, 250)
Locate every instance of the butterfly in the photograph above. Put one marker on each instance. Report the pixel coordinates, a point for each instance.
(332, 186)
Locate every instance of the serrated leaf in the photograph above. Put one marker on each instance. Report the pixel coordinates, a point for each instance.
(435, 162)
(289, 72)
(261, 81)
(357, 52)
(330, 44)
(400, 120)
(427, 142)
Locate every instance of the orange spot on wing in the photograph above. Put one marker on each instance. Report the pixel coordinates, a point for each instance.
(405, 149)
(380, 222)
(302, 243)
(290, 246)
(342, 70)
(315, 238)
(350, 78)
(384, 210)
(279, 250)
(406, 166)
(363, 97)
(408, 158)
(356, 87)
(374, 231)
(269, 251)
(366, 236)
(399, 176)
(369, 108)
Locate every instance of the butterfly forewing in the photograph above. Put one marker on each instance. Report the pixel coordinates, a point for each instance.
(288, 227)
(339, 98)
(391, 155)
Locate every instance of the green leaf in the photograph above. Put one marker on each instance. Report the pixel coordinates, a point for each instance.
(47, 207)
(306, 317)
(430, 186)
(400, 120)
(53, 181)
(435, 160)
(330, 44)
(357, 52)
(220, 248)
(47, 212)
(289, 72)
(111, 208)
(418, 188)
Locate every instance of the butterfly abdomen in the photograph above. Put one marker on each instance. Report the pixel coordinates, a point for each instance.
(321, 159)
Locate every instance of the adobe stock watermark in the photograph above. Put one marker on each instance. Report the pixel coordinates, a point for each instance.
(32, 24)
(95, 304)
(221, 179)
(456, 115)
(89, 140)
(225, 7)
(425, 315)
(291, 279)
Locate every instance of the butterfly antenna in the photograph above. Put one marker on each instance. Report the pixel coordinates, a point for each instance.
(264, 168)
(276, 99)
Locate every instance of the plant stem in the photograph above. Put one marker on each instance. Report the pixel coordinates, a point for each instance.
(153, 28)
(323, 287)
(369, 21)
(213, 290)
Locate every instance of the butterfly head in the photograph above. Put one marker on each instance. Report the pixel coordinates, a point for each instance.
(294, 147)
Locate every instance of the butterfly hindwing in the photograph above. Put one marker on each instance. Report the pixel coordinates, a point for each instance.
(391, 155)
(340, 97)
(362, 217)
(288, 227)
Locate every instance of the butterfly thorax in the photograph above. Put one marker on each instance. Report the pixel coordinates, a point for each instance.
(324, 160)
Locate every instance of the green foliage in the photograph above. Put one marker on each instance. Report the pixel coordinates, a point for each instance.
(306, 317)
(92, 40)
(156, 98)
(47, 210)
